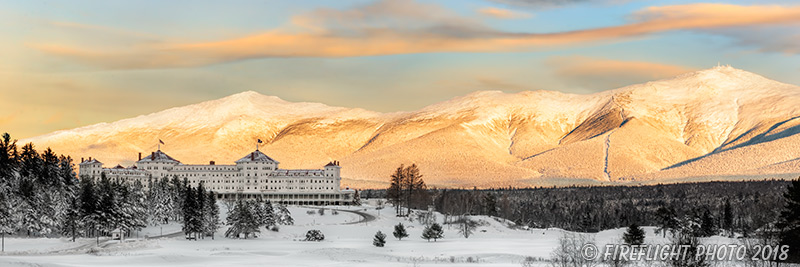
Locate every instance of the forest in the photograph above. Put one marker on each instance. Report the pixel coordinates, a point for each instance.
(743, 206)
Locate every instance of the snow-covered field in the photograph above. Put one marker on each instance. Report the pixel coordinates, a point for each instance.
(348, 242)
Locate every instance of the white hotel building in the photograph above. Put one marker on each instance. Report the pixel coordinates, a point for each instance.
(253, 175)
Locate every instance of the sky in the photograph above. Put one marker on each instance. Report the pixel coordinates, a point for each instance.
(66, 64)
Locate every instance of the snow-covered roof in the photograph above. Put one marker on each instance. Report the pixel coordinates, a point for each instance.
(158, 156)
(92, 161)
(256, 156)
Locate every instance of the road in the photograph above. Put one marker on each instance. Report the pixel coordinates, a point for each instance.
(365, 217)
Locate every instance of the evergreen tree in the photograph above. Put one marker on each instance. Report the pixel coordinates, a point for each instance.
(667, 220)
(727, 218)
(284, 216)
(379, 240)
(789, 222)
(51, 209)
(414, 187)
(108, 207)
(258, 210)
(234, 221)
(200, 198)
(314, 235)
(190, 212)
(8, 172)
(707, 225)
(6, 222)
(395, 192)
(161, 202)
(123, 210)
(30, 166)
(48, 175)
(27, 219)
(490, 204)
(66, 172)
(356, 198)
(8, 159)
(400, 231)
(66, 209)
(241, 221)
(634, 235)
(89, 212)
(211, 220)
(269, 218)
(177, 191)
(433, 231)
(71, 223)
(137, 206)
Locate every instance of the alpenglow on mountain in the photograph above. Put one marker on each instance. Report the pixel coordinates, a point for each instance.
(716, 122)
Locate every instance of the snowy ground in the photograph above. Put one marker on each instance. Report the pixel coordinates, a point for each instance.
(346, 244)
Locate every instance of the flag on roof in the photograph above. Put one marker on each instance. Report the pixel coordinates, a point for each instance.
(259, 141)
(162, 142)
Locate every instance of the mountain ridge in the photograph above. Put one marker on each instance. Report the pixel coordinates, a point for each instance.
(690, 125)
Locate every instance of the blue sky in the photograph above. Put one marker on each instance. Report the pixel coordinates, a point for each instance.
(74, 63)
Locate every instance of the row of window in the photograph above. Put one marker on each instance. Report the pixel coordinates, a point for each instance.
(157, 168)
(269, 188)
(206, 168)
(249, 174)
(256, 188)
(263, 168)
(267, 181)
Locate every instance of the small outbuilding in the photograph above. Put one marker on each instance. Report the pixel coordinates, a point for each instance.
(116, 234)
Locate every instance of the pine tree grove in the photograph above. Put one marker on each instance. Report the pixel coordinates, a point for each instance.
(40, 196)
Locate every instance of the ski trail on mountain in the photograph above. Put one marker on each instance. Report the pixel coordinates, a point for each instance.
(607, 145)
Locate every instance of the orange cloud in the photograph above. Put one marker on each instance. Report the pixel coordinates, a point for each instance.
(599, 74)
(400, 27)
(704, 15)
(502, 13)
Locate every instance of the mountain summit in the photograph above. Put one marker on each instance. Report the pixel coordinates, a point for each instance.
(720, 121)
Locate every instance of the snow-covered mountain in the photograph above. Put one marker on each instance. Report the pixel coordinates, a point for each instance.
(720, 121)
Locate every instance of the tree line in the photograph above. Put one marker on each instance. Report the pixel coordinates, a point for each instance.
(37, 190)
(741, 206)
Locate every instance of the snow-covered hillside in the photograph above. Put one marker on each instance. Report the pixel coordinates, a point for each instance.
(720, 121)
